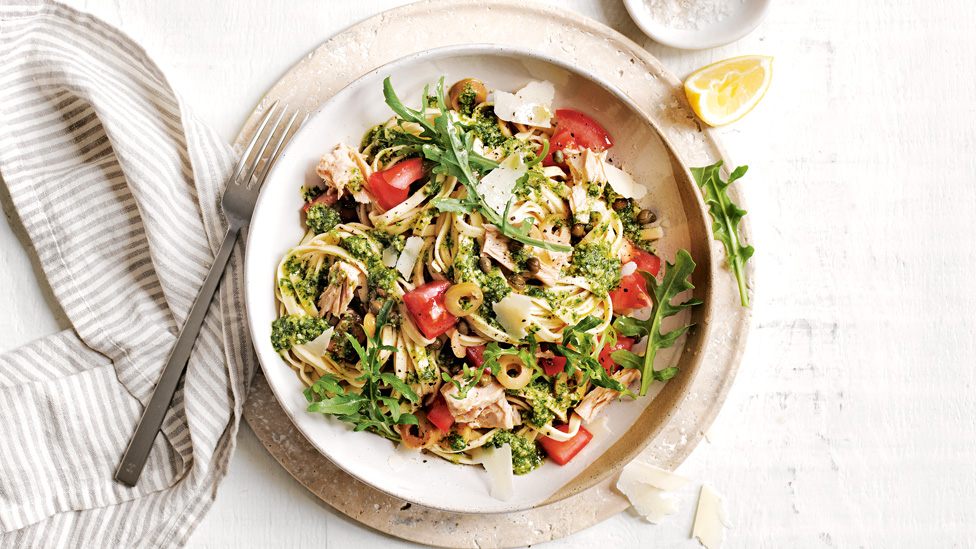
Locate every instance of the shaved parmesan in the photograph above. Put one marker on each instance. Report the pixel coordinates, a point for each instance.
(512, 312)
(498, 187)
(319, 345)
(530, 105)
(389, 257)
(498, 463)
(649, 490)
(628, 269)
(599, 428)
(710, 518)
(411, 251)
(622, 183)
(652, 233)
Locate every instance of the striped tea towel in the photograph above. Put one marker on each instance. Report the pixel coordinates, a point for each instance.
(117, 184)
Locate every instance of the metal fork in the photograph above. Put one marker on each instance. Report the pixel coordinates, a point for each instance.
(238, 205)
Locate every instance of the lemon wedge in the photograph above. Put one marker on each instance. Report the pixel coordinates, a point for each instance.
(724, 92)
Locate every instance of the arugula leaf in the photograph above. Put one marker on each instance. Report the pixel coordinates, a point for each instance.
(444, 142)
(725, 219)
(365, 410)
(675, 281)
(581, 349)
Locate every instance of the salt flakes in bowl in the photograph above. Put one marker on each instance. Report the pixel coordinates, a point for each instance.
(697, 24)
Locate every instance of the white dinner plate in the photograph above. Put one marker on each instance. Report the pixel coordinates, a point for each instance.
(276, 227)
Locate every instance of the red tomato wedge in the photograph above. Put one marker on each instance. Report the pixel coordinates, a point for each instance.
(645, 261)
(575, 130)
(583, 129)
(623, 343)
(475, 355)
(392, 185)
(439, 414)
(562, 452)
(426, 306)
(559, 141)
(554, 365)
(632, 291)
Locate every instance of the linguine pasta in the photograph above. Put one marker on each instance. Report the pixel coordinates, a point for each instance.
(487, 302)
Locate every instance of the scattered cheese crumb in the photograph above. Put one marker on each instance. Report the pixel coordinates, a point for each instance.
(711, 518)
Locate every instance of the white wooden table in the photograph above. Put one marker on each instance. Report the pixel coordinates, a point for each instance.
(852, 420)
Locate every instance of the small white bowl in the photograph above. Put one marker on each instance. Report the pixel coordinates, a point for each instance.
(744, 18)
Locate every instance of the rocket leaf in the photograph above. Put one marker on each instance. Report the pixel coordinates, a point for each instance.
(725, 219)
(675, 281)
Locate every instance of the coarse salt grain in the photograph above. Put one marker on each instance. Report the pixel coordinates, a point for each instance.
(690, 14)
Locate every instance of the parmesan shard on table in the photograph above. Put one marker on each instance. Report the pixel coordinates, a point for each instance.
(650, 490)
(711, 518)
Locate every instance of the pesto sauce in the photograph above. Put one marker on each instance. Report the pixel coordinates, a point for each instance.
(549, 400)
(456, 442)
(526, 456)
(364, 248)
(321, 218)
(486, 128)
(595, 263)
(291, 330)
(529, 186)
(492, 284)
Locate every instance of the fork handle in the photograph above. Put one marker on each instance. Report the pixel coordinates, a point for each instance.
(141, 443)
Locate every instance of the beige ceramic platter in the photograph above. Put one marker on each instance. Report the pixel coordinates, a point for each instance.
(678, 416)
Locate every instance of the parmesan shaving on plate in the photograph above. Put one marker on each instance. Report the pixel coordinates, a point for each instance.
(513, 314)
(319, 345)
(411, 251)
(389, 257)
(498, 463)
(649, 490)
(711, 519)
(530, 105)
(498, 187)
(622, 183)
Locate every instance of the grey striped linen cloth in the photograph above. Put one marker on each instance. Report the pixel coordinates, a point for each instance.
(118, 186)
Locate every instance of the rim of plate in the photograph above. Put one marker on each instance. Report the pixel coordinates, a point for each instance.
(734, 27)
(433, 54)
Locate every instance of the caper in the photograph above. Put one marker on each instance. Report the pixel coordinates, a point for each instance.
(462, 328)
(578, 230)
(485, 265)
(468, 85)
(533, 265)
(645, 217)
(515, 246)
(558, 157)
(517, 281)
(485, 380)
(620, 204)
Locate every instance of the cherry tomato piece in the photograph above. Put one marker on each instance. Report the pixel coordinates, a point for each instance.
(392, 185)
(426, 306)
(563, 452)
